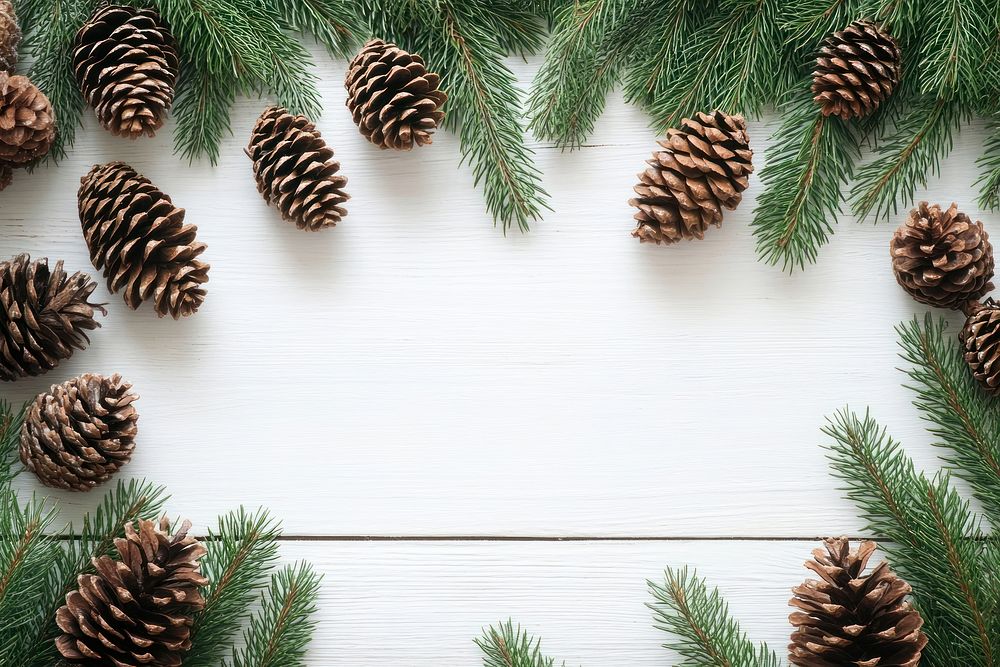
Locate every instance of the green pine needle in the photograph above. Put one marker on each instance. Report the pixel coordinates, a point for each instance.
(699, 625)
(508, 645)
(280, 631)
(337, 24)
(989, 164)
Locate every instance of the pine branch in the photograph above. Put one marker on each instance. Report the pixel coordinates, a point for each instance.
(700, 627)
(510, 646)
(921, 139)
(241, 552)
(736, 62)
(457, 40)
(281, 630)
(519, 29)
(809, 22)
(812, 157)
(935, 541)
(10, 437)
(337, 24)
(989, 164)
(954, 39)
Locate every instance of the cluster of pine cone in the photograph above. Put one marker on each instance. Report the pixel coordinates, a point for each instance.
(944, 259)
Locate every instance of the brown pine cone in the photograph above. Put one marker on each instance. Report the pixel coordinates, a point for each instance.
(27, 124)
(295, 170)
(394, 100)
(44, 316)
(126, 65)
(941, 257)
(79, 433)
(850, 618)
(703, 168)
(137, 609)
(857, 70)
(139, 239)
(10, 36)
(981, 342)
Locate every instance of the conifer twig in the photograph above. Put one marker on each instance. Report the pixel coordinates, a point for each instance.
(508, 645)
(989, 164)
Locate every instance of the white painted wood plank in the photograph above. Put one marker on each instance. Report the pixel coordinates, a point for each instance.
(414, 372)
(421, 604)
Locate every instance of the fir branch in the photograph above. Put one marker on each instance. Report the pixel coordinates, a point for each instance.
(510, 646)
(700, 627)
(953, 42)
(519, 29)
(935, 540)
(281, 630)
(812, 157)
(809, 22)
(989, 164)
(456, 39)
(963, 417)
(337, 24)
(736, 62)
(580, 68)
(241, 552)
(921, 139)
(10, 437)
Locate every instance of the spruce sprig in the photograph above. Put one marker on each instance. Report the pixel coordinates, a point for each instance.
(508, 645)
(337, 24)
(699, 625)
(989, 165)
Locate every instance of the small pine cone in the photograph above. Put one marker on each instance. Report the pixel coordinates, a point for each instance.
(981, 341)
(394, 100)
(137, 609)
(848, 618)
(27, 124)
(857, 69)
(295, 170)
(79, 433)
(941, 257)
(139, 239)
(44, 316)
(703, 168)
(126, 65)
(10, 36)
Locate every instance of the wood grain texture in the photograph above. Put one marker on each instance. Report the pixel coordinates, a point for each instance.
(415, 373)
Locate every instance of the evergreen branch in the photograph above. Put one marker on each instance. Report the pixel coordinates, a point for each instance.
(580, 68)
(281, 630)
(10, 437)
(337, 24)
(809, 22)
(510, 646)
(802, 184)
(736, 62)
(962, 416)
(519, 29)
(241, 552)
(922, 138)
(936, 541)
(953, 45)
(989, 164)
(701, 629)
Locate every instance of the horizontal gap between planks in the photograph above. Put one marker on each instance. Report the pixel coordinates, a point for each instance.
(543, 538)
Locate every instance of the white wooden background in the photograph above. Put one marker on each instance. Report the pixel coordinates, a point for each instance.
(458, 427)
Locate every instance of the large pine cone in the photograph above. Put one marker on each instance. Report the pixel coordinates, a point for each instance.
(44, 316)
(136, 610)
(857, 69)
(849, 618)
(981, 342)
(394, 100)
(139, 239)
(10, 36)
(703, 168)
(125, 62)
(941, 257)
(27, 124)
(295, 170)
(79, 433)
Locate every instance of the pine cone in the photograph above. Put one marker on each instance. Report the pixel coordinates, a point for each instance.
(10, 36)
(136, 610)
(394, 100)
(941, 257)
(44, 316)
(79, 433)
(295, 170)
(125, 61)
(849, 618)
(139, 239)
(857, 69)
(704, 167)
(27, 124)
(981, 341)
